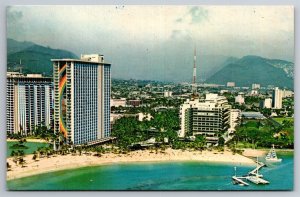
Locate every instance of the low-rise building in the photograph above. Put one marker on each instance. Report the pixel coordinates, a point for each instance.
(255, 86)
(134, 103)
(252, 115)
(230, 84)
(240, 99)
(168, 93)
(144, 116)
(267, 103)
(254, 92)
(287, 93)
(118, 102)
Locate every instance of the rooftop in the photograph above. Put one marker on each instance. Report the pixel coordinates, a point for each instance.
(78, 60)
(28, 76)
(86, 58)
(253, 115)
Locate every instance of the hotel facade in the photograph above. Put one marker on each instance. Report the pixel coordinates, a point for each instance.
(209, 117)
(82, 98)
(29, 102)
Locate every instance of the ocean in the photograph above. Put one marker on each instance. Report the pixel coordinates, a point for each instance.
(160, 176)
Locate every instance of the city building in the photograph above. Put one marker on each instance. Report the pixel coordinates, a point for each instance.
(235, 116)
(287, 93)
(144, 116)
(240, 99)
(255, 86)
(29, 102)
(267, 103)
(252, 115)
(224, 91)
(230, 84)
(82, 99)
(277, 98)
(134, 103)
(115, 117)
(208, 117)
(254, 92)
(168, 93)
(118, 102)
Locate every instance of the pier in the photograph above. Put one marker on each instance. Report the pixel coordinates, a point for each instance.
(253, 176)
(256, 180)
(255, 171)
(238, 180)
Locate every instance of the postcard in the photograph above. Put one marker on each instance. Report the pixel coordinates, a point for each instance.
(152, 97)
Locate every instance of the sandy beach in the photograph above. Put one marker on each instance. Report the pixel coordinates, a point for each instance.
(62, 162)
(248, 152)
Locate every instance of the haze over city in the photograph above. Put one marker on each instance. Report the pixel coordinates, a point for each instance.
(158, 41)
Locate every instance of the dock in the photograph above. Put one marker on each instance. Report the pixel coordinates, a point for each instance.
(238, 180)
(255, 171)
(253, 176)
(257, 180)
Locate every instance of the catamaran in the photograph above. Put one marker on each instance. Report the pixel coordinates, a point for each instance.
(272, 156)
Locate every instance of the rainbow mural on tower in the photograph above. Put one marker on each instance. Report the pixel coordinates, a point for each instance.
(62, 87)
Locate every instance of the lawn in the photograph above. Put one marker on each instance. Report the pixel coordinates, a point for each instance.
(281, 119)
(32, 146)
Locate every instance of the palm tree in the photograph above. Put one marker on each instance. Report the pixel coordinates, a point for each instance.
(22, 162)
(79, 150)
(8, 166)
(34, 157)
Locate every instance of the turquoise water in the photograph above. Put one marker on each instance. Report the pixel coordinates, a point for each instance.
(158, 176)
(32, 146)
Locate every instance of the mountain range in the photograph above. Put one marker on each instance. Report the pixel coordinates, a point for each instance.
(255, 69)
(33, 58)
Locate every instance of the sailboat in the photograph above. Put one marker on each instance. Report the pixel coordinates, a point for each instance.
(272, 156)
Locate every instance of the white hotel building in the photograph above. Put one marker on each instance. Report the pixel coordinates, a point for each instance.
(82, 98)
(209, 117)
(29, 102)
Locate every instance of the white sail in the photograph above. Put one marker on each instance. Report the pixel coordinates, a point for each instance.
(272, 156)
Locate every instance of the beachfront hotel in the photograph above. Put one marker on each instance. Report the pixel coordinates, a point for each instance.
(209, 117)
(82, 99)
(29, 102)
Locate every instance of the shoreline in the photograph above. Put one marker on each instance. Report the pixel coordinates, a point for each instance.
(248, 152)
(67, 162)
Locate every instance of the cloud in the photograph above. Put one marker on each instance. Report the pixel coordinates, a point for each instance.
(198, 14)
(149, 39)
(193, 15)
(12, 15)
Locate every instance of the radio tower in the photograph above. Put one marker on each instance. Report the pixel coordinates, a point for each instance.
(194, 87)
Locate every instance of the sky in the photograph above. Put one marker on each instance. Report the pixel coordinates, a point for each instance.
(157, 42)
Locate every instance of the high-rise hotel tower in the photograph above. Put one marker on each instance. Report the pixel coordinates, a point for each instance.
(82, 98)
(29, 102)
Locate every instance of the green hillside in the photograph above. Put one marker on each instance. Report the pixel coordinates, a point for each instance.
(14, 46)
(34, 58)
(255, 69)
